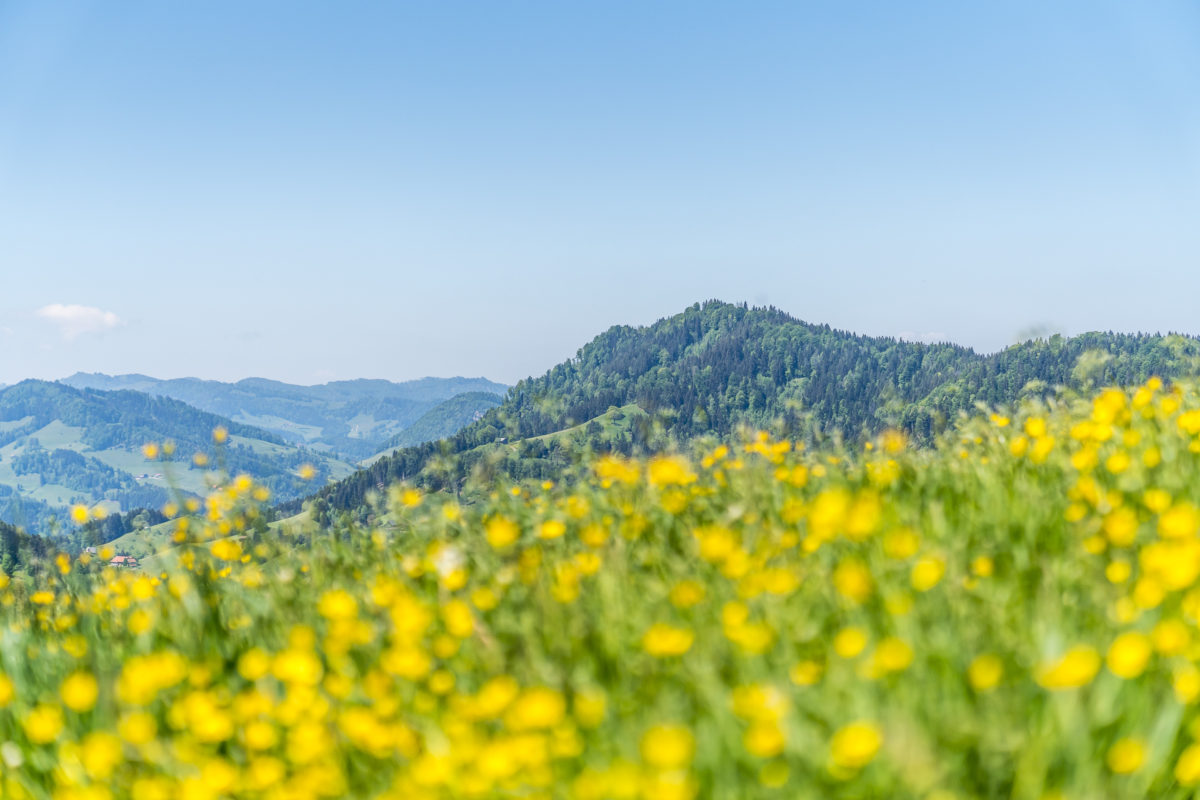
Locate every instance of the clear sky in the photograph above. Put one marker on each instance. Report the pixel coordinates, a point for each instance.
(310, 191)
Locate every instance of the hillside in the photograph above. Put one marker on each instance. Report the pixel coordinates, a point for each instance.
(19, 550)
(445, 419)
(60, 446)
(350, 419)
(717, 366)
(1017, 601)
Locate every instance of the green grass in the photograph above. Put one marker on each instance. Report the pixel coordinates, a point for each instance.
(55, 494)
(174, 474)
(261, 447)
(1010, 614)
(58, 435)
(144, 542)
(268, 422)
(610, 425)
(370, 428)
(154, 546)
(13, 424)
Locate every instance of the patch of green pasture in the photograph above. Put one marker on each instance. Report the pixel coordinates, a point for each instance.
(306, 432)
(56, 494)
(60, 436)
(13, 424)
(173, 473)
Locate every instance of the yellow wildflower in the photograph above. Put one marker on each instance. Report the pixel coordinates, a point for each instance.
(1187, 768)
(893, 654)
(927, 573)
(855, 745)
(137, 728)
(663, 640)
(852, 580)
(849, 642)
(687, 593)
(806, 673)
(501, 532)
(764, 739)
(670, 471)
(668, 747)
(536, 709)
(43, 724)
(337, 604)
(79, 692)
(100, 753)
(1129, 654)
(1180, 521)
(1126, 756)
(985, 672)
(1075, 668)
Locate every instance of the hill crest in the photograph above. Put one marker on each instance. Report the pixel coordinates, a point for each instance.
(61, 446)
(716, 366)
(352, 419)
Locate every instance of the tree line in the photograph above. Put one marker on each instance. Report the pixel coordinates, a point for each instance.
(718, 366)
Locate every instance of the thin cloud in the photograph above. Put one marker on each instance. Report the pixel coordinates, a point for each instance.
(76, 320)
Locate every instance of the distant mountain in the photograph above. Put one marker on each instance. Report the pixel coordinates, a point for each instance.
(717, 366)
(351, 419)
(60, 446)
(445, 419)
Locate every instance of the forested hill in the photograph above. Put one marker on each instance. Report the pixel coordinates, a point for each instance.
(444, 419)
(117, 417)
(60, 446)
(353, 419)
(19, 549)
(718, 365)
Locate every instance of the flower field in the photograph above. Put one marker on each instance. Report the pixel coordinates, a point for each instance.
(1010, 614)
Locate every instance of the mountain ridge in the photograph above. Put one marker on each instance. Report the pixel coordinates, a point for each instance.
(352, 418)
(61, 446)
(444, 419)
(718, 365)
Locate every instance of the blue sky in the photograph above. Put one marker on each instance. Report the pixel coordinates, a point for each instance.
(311, 191)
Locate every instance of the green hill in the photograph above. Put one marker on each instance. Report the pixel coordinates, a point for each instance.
(20, 550)
(717, 366)
(445, 419)
(60, 446)
(349, 419)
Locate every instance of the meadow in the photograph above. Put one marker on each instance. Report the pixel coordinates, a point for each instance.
(1010, 613)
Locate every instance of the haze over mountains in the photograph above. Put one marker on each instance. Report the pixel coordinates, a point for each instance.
(706, 371)
(716, 366)
(352, 420)
(61, 446)
(79, 440)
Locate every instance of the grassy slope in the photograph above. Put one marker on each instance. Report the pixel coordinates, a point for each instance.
(152, 546)
(444, 419)
(352, 418)
(610, 426)
(716, 367)
(155, 549)
(890, 622)
(145, 542)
